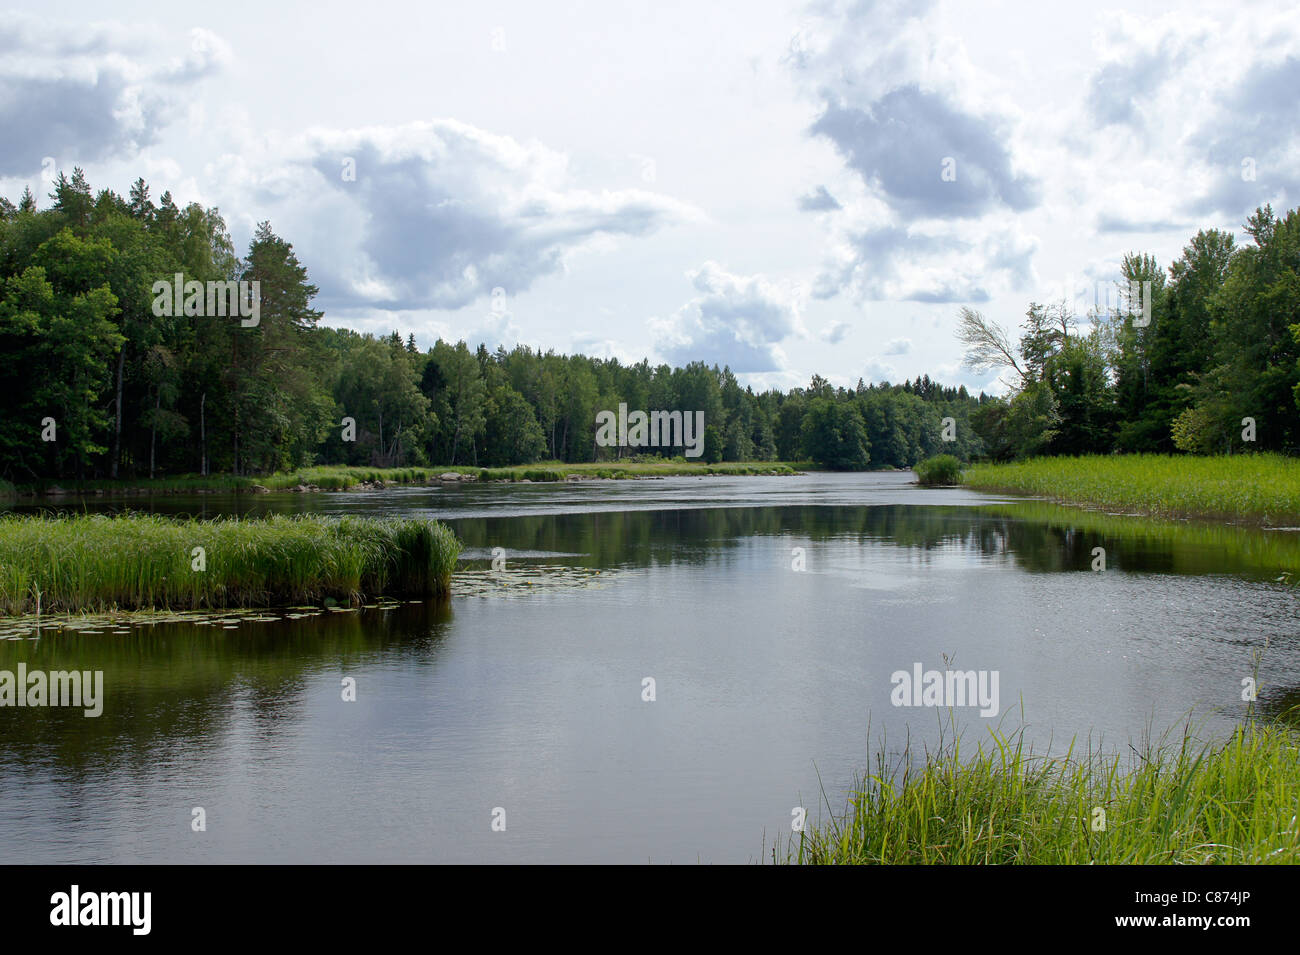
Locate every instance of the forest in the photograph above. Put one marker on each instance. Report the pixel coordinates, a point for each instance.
(97, 384)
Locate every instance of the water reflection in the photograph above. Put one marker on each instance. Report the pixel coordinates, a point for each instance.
(180, 682)
(1036, 537)
(773, 682)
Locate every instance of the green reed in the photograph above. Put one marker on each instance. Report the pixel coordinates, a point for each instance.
(1175, 801)
(96, 562)
(1256, 487)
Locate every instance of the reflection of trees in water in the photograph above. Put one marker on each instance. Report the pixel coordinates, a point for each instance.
(178, 683)
(170, 685)
(1281, 703)
(1037, 537)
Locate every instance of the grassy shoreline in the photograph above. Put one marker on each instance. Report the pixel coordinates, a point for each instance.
(1253, 488)
(343, 478)
(80, 563)
(1230, 802)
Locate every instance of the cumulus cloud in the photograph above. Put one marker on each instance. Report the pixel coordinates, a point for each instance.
(1201, 113)
(926, 155)
(835, 332)
(875, 372)
(1122, 90)
(1253, 138)
(437, 214)
(819, 200)
(933, 262)
(932, 148)
(82, 93)
(733, 320)
(898, 346)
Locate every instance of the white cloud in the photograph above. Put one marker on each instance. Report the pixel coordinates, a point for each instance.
(734, 320)
(435, 213)
(835, 332)
(932, 141)
(1200, 114)
(81, 93)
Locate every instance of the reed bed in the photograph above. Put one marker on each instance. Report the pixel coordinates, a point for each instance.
(1171, 803)
(96, 563)
(1263, 488)
(939, 471)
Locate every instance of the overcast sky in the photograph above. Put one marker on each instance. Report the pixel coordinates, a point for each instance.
(784, 188)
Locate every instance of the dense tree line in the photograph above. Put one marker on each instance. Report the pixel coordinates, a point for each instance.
(1206, 363)
(98, 383)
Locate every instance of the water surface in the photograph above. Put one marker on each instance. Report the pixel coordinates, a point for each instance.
(525, 691)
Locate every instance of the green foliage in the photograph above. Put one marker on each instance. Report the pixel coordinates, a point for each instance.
(1174, 802)
(95, 563)
(943, 469)
(1261, 487)
(1214, 342)
(834, 435)
(139, 395)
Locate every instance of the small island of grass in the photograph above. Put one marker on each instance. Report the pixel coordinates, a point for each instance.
(96, 563)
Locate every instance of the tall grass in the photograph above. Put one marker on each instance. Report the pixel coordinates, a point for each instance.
(1173, 803)
(941, 470)
(94, 562)
(1255, 487)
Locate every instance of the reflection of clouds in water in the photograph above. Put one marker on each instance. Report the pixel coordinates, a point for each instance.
(876, 579)
(887, 567)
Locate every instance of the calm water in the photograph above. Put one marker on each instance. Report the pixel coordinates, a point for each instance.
(525, 692)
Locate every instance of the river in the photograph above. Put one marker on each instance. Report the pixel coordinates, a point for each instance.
(771, 614)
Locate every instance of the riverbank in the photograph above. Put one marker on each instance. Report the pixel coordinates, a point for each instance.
(1178, 803)
(1250, 488)
(94, 563)
(331, 478)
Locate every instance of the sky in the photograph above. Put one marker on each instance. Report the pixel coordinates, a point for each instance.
(781, 188)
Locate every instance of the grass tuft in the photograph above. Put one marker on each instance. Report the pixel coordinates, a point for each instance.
(90, 563)
(1173, 803)
(944, 469)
